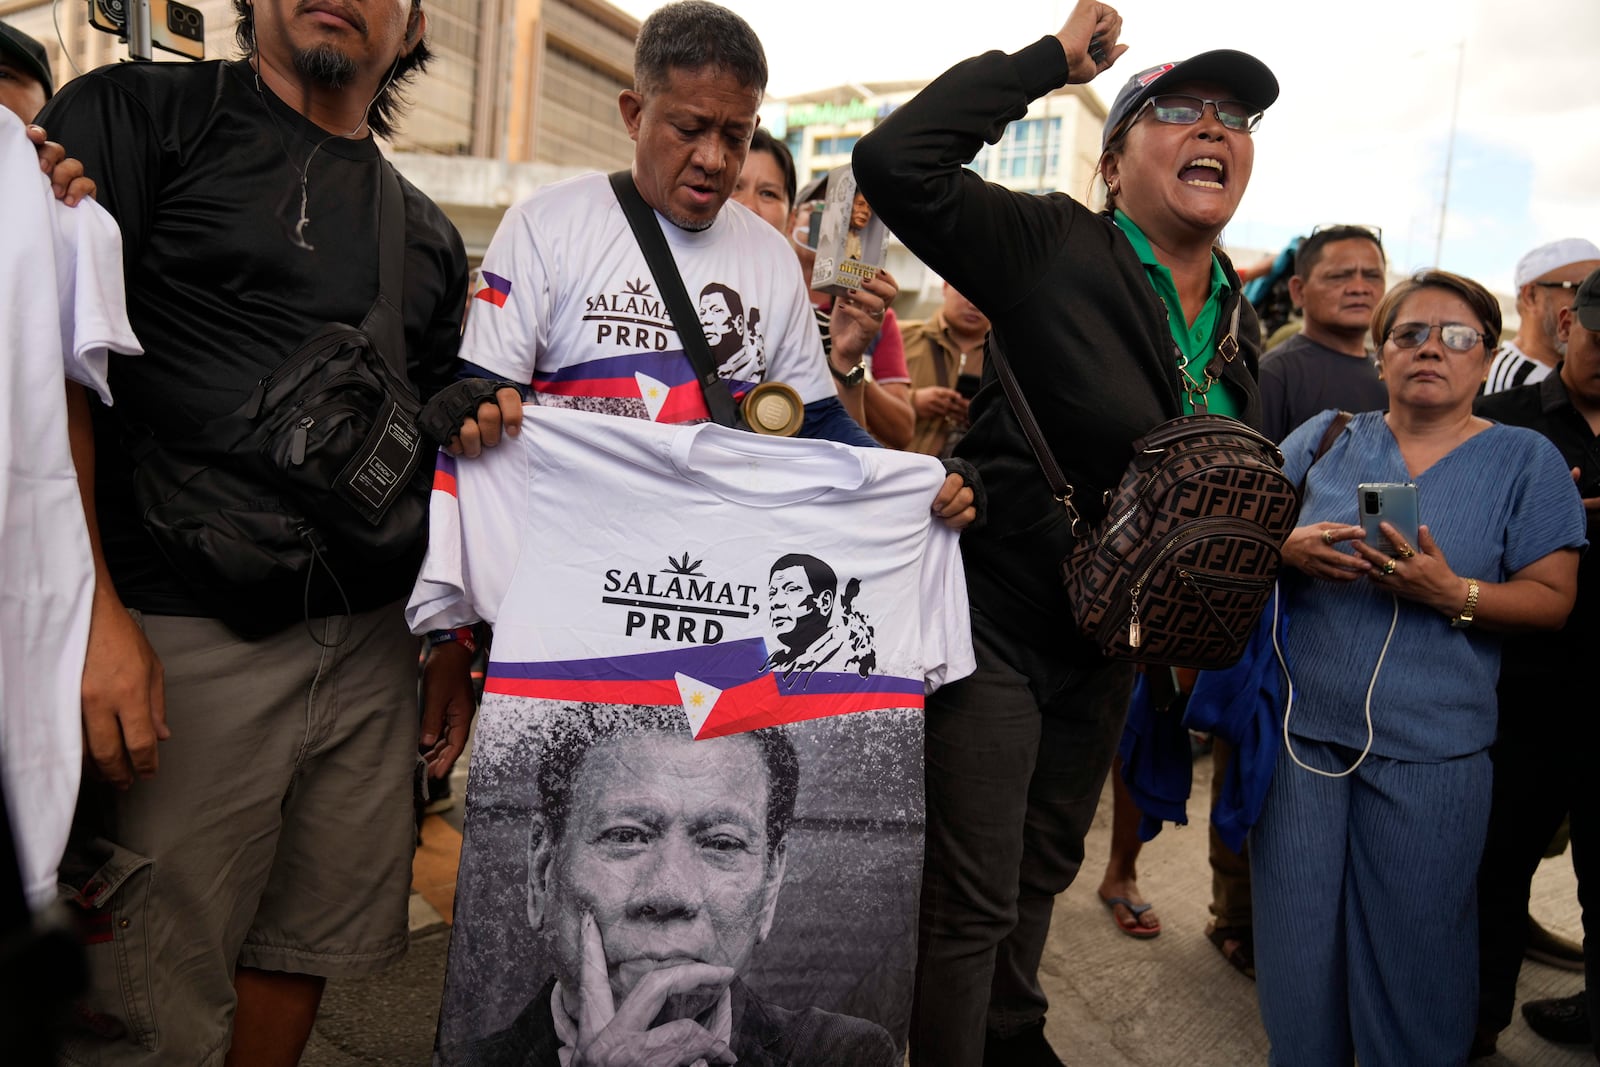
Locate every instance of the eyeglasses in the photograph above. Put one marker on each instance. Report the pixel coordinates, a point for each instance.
(1558, 285)
(1456, 337)
(1183, 110)
(1375, 232)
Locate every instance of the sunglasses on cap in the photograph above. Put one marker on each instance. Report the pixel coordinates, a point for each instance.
(1180, 109)
(1557, 285)
(1456, 337)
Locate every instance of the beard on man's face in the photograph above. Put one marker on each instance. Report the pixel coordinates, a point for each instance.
(325, 65)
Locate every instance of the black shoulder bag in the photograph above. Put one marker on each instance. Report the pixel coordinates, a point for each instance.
(1182, 565)
(324, 468)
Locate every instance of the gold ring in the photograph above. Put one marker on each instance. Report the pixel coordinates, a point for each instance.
(1406, 552)
(1327, 537)
(1388, 568)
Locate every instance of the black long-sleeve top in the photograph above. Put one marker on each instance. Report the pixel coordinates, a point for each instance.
(1081, 326)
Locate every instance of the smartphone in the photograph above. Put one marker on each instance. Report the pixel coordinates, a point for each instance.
(178, 28)
(174, 27)
(967, 385)
(1391, 502)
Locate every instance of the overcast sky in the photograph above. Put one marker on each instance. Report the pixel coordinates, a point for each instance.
(1360, 131)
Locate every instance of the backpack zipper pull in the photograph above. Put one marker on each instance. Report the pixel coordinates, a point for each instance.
(297, 442)
(252, 406)
(1134, 637)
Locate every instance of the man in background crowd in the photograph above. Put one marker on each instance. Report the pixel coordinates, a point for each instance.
(1549, 743)
(944, 356)
(25, 85)
(1545, 279)
(1338, 279)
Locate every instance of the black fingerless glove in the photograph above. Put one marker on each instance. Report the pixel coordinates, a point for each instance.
(980, 498)
(457, 402)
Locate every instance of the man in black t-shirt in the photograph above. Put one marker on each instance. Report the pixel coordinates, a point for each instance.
(273, 848)
(1549, 741)
(1338, 280)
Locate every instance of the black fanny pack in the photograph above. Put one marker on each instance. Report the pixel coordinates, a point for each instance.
(318, 476)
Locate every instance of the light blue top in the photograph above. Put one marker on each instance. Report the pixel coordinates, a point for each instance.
(1497, 502)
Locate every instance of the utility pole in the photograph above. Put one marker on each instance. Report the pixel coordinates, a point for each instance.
(1449, 151)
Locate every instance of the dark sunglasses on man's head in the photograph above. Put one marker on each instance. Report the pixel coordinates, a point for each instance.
(1558, 285)
(1456, 337)
(1181, 109)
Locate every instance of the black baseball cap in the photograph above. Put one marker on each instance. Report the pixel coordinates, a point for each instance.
(1586, 304)
(24, 52)
(1239, 72)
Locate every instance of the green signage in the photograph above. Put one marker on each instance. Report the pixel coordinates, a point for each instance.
(831, 114)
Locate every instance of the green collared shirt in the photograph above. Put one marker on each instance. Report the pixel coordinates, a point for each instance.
(1193, 342)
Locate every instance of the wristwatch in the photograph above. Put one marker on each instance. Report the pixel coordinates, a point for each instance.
(853, 376)
(1464, 620)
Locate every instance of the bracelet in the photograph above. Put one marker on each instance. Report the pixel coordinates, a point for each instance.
(1464, 620)
(461, 635)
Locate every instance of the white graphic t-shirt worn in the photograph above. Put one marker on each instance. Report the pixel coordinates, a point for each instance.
(61, 310)
(565, 303)
(735, 588)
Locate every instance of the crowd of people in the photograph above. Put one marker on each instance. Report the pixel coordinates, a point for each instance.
(244, 826)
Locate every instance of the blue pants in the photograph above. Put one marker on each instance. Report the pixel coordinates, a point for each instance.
(1017, 754)
(1366, 908)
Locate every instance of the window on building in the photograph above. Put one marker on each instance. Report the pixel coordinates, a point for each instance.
(833, 146)
(1030, 148)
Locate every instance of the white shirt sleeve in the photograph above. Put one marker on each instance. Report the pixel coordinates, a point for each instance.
(475, 538)
(797, 359)
(509, 314)
(947, 625)
(94, 315)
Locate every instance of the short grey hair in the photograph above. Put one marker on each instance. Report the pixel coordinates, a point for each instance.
(694, 35)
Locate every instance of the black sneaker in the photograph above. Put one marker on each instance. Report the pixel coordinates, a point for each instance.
(1026, 1049)
(1564, 1019)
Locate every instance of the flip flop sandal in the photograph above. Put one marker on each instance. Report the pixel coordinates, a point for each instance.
(1133, 928)
(1242, 958)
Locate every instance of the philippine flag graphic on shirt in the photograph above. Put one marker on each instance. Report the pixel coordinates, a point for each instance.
(724, 688)
(493, 288)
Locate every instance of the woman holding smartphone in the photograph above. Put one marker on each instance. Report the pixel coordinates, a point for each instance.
(1113, 322)
(1363, 862)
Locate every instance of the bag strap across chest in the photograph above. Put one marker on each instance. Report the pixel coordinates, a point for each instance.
(647, 232)
(1062, 489)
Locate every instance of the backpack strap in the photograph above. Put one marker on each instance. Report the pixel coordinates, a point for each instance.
(1336, 426)
(384, 323)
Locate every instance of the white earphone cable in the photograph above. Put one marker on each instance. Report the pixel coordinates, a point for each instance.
(1288, 707)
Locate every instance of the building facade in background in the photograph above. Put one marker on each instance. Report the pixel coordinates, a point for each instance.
(524, 92)
(1054, 147)
(523, 81)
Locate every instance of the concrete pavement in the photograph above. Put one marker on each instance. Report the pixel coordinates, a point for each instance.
(1115, 1002)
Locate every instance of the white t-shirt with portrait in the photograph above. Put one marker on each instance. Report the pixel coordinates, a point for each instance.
(631, 563)
(566, 303)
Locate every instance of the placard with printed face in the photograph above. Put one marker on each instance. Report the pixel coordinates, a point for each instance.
(850, 239)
